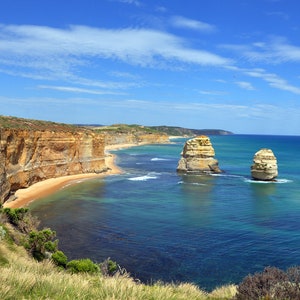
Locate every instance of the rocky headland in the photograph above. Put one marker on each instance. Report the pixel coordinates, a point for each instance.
(198, 156)
(33, 151)
(30, 156)
(264, 165)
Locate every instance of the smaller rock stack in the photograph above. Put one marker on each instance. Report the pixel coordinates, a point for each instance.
(198, 157)
(264, 165)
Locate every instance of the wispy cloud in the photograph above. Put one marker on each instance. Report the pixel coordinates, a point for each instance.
(279, 14)
(61, 52)
(71, 89)
(245, 85)
(212, 93)
(182, 22)
(273, 80)
(134, 2)
(274, 51)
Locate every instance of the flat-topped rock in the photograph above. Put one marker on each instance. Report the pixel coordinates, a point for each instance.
(198, 156)
(264, 165)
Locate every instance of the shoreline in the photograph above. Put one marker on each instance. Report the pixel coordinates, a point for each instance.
(49, 186)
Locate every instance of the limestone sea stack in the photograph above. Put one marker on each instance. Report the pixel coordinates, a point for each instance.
(264, 165)
(198, 156)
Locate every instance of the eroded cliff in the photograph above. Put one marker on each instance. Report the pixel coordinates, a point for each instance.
(29, 156)
(132, 134)
(32, 150)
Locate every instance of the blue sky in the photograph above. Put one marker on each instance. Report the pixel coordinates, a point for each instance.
(228, 64)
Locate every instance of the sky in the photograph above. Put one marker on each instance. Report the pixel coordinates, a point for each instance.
(202, 64)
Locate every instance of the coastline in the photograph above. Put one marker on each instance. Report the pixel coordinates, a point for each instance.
(47, 187)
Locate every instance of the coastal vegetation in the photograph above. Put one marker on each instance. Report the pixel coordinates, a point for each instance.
(8, 122)
(168, 130)
(26, 275)
(180, 131)
(32, 267)
(31, 124)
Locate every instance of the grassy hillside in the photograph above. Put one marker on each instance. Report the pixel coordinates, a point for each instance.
(28, 124)
(125, 128)
(24, 278)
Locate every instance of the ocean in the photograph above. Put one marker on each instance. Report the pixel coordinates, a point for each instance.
(209, 230)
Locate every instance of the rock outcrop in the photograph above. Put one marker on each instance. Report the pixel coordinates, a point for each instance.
(30, 156)
(264, 165)
(198, 156)
(135, 139)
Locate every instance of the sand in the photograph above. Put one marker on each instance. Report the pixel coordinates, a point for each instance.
(49, 186)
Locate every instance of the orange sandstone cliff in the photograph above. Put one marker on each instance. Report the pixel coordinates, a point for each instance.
(32, 151)
(29, 156)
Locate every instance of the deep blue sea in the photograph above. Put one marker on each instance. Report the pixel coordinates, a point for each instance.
(209, 230)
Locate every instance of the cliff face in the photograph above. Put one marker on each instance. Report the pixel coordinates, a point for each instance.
(27, 157)
(133, 138)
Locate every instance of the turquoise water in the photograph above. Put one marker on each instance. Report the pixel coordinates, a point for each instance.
(209, 230)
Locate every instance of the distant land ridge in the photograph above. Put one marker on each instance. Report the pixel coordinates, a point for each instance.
(169, 130)
(180, 131)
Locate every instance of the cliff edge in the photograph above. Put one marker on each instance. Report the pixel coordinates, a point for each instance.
(32, 151)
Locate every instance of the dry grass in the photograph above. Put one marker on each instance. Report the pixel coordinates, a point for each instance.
(23, 278)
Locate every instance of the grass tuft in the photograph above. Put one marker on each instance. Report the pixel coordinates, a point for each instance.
(22, 277)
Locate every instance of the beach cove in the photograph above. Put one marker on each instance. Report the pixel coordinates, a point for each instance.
(23, 197)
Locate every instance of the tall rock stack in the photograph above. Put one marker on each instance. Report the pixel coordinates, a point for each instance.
(198, 157)
(264, 165)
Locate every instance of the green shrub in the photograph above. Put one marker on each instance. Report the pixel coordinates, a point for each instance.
(82, 265)
(60, 259)
(272, 283)
(21, 218)
(40, 242)
(14, 215)
(109, 267)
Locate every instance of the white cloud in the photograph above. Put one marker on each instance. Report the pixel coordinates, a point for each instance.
(135, 2)
(71, 89)
(275, 51)
(61, 51)
(273, 80)
(212, 93)
(182, 22)
(245, 85)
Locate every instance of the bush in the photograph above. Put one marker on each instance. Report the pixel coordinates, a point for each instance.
(21, 218)
(14, 215)
(109, 267)
(60, 259)
(82, 265)
(272, 283)
(40, 242)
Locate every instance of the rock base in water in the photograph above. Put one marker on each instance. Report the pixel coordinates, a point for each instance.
(198, 157)
(264, 165)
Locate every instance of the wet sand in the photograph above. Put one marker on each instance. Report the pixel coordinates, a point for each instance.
(49, 186)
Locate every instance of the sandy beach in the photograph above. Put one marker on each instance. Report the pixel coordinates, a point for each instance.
(49, 186)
